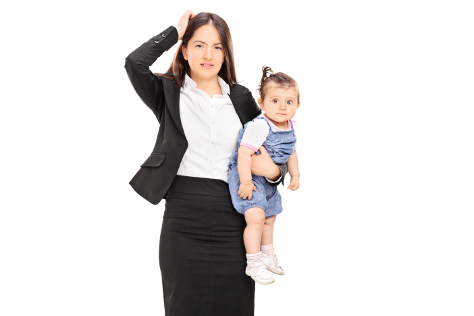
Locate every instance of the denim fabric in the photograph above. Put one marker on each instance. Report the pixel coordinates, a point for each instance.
(280, 146)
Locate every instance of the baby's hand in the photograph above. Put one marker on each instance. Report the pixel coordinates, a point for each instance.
(245, 190)
(294, 183)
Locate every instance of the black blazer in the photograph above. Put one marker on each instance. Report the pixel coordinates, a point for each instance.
(161, 95)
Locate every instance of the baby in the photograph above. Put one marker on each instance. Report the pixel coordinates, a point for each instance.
(276, 131)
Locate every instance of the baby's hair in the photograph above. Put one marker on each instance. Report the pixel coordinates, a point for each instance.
(281, 79)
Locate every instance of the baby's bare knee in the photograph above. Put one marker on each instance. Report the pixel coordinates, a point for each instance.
(255, 216)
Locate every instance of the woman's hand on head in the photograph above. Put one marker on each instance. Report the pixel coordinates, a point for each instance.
(183, 23)
(263, 165)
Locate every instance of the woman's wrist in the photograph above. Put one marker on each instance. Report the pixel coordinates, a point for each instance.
(180, 32)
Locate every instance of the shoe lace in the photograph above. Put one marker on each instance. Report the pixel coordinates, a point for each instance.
(275, 260)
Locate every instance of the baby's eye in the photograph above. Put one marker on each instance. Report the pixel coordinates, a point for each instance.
(289, 102)
(275, 101)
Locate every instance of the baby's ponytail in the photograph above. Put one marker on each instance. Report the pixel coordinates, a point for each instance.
(267, 72)
(279, 78)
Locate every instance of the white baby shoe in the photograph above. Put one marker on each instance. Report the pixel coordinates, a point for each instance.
(271, 263)
(259, 274)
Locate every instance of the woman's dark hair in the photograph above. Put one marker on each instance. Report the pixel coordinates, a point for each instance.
(279, 78)
(179, 66)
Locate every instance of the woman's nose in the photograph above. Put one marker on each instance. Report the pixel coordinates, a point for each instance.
(208, 53)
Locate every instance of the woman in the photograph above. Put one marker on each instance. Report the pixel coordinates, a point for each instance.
(200, 108)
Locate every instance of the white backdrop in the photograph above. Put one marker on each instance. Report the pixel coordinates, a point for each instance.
(382, 223)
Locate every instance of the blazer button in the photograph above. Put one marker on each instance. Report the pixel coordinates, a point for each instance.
(157, 41)
(163, 35)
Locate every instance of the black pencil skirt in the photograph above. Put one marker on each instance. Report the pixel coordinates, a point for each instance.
(202, 253)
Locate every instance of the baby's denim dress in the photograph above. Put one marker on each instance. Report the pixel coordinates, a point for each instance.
(280, 146)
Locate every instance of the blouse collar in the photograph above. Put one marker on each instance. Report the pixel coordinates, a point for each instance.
(190, 83)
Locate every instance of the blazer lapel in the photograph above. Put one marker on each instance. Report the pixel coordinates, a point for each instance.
(242, 104)
(172, 100)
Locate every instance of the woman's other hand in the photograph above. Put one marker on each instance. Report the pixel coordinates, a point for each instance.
(263, 165)
(183, 23)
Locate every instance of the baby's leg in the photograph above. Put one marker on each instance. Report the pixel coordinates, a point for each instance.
(268, 249)
(256, 267)
(267, 234)
(255, 218)
(274, 207)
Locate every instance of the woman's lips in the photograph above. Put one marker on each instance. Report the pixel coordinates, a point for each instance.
(207, 66)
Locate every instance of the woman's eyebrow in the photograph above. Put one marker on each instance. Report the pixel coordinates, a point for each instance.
(205, 42)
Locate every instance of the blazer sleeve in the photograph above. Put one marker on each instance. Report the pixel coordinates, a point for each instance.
(283, 167)
(137, 64)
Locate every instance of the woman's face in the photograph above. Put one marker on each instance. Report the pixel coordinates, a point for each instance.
(204, 53)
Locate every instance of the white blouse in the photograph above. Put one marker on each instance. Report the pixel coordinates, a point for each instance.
(211, 126)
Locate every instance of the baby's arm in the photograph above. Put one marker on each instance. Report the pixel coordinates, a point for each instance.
(254, 135)
(244, 166)
(294, 172)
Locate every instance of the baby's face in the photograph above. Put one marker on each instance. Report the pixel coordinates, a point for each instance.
(280, 104)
